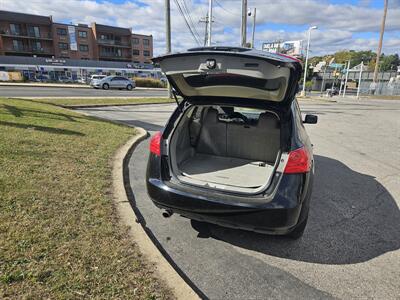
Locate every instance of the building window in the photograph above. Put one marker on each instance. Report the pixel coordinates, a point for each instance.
(82, 34)
(15, 29)
(61, 31)
(106, 36)
(146, 42)
(135, 41)
(17, 45)
(83, 48)
(63, 46)
(135, 52)
(146, 52)
(37, 46)
(34, 31)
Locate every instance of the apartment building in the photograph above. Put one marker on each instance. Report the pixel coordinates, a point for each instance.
(38, 36)
(73, 41)
(113, 43)
(25, 35)
(142, 48)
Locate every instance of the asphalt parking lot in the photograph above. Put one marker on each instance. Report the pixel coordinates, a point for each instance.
(26, 91)
(351, 245)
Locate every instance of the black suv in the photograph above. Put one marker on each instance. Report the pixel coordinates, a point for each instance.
(235, 151)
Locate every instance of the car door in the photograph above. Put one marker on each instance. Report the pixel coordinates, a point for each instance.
(115, 82)
(124, 82)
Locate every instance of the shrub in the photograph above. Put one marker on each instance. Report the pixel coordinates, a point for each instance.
(149, 82)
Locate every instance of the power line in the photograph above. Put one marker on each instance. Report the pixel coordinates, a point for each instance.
(186, 21)
(188, 13)
(228, 11)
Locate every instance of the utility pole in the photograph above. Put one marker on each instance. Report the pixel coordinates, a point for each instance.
(244, 24)
(168, 35)
(205, 21)
(359, 80)
(210, 17)
(205, 30)
(254, 27)
(378, 52)
(347, 76)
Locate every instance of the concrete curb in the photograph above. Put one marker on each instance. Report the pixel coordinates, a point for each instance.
(107, 105)
(164, 270)
(57, 85)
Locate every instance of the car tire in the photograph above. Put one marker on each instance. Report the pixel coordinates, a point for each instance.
(129, 87)
(298, 231)
(105, 86)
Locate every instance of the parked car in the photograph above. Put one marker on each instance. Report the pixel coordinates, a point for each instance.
(332, 91)
(42, 78)
(65, 79)
(114, 82)
(235, 151)
(94, 78)
(82, 80)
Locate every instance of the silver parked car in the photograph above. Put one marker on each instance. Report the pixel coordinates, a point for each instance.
(113, 82)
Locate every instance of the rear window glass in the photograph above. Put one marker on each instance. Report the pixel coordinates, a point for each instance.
(203, 80)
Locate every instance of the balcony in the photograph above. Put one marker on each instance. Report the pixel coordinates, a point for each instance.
(29, 50)
(25, 35)
(115, 43)
(113, 56)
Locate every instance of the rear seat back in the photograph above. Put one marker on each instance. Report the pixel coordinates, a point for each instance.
(258, 143)
(213, 134)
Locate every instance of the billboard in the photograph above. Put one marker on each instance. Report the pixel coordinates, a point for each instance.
(293, 48)
(72, 38)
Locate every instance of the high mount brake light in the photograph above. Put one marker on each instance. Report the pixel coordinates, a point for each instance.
(155, 143)
(299, 161)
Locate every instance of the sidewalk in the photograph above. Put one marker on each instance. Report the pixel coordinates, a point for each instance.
(62, 85)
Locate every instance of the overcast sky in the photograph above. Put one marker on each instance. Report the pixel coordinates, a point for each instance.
(351, 24)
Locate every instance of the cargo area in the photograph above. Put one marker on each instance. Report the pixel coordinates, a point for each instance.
(226, 148)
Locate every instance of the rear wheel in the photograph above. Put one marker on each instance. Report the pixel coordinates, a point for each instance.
(129, 87)
(106, 86)
(299, 230)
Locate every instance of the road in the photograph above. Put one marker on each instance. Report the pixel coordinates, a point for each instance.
(351, 245)
(11, 91)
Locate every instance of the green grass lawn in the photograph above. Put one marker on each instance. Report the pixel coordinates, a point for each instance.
(71, 102)
(59, 233)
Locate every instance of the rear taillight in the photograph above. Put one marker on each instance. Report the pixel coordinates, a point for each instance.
(299, 161)
(155, 143)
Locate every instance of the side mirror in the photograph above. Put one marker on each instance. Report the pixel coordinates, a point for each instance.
(311, 119)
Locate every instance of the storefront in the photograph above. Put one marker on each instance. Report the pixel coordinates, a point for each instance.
(38, 68)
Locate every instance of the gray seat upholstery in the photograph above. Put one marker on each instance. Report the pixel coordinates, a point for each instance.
(259, 143)
(213, 134)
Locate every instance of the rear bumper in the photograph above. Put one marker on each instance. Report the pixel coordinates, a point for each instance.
(278, 213)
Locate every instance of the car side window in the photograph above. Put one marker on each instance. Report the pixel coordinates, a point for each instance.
(297, 110)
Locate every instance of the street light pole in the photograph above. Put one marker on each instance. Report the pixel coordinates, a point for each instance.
(210, 16)
(303, 92)
(244, 23)
(323, 79)
(347, 76)
(359, 80)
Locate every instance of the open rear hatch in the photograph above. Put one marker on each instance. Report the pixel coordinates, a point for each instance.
(236, 73)
(218, 82)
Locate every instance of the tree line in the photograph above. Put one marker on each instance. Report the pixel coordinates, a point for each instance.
(387, 62)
